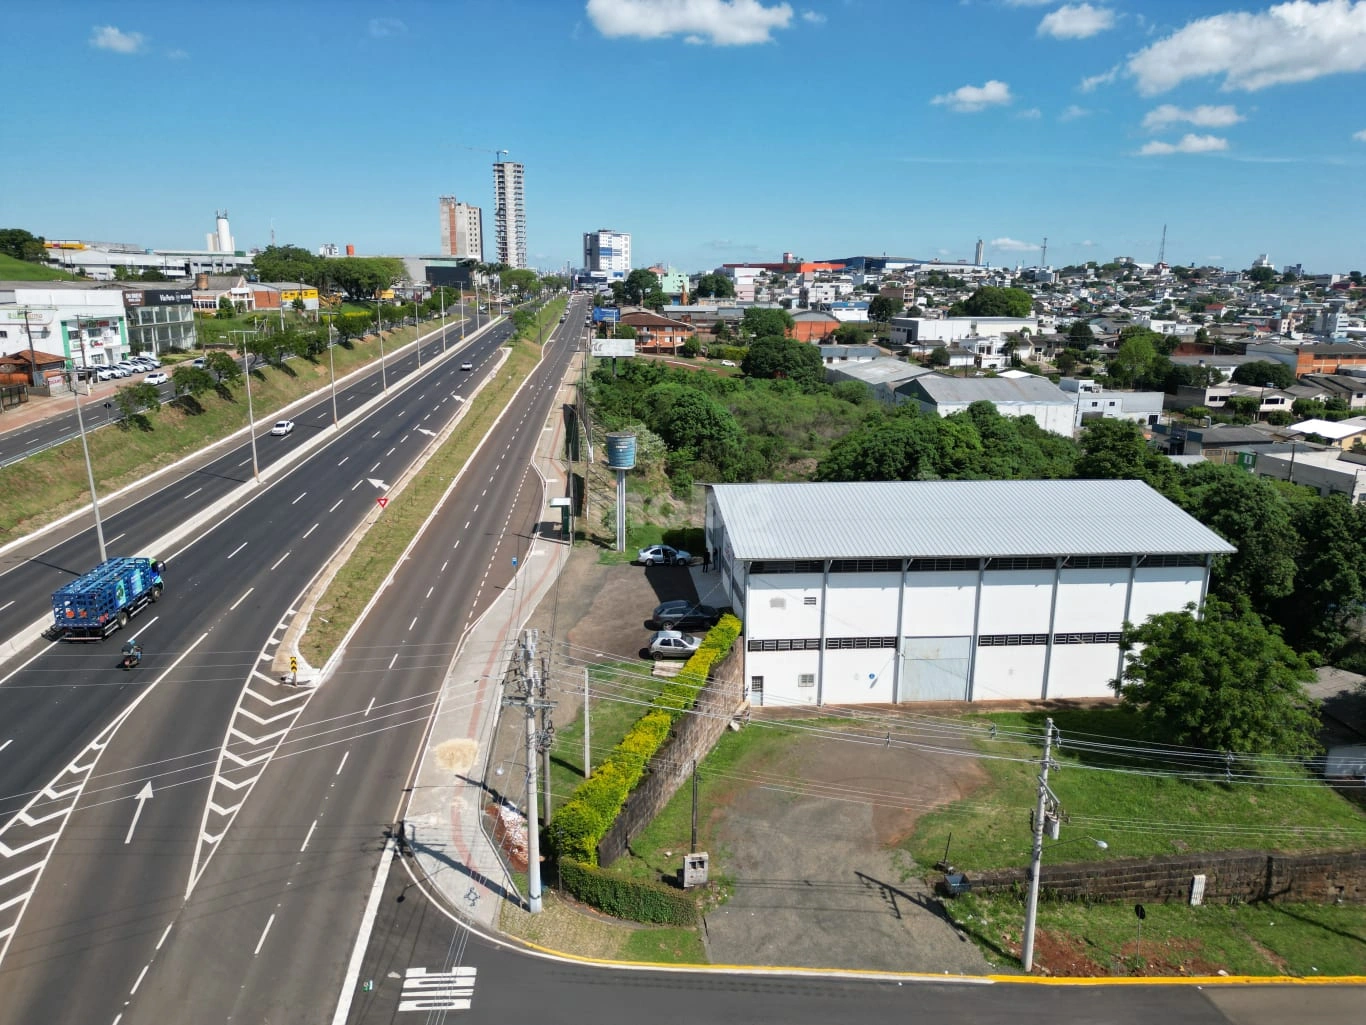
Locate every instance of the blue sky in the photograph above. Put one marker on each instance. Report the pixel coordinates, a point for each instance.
(713, 130)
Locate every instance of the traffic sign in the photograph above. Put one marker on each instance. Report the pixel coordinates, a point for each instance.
(383, 500)
(293, 664)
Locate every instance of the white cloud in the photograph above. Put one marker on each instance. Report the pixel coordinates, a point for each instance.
(1012, 245)
(107, 37)
(1086, 243)
(177, 55)
(1028, 3)
(1189, 144)
(1360, 136)
(1104, 78)
(1076, 21)
(382, 27)
(813, 17)
(1290, 42)
(1030, 114)
(721, 22)
(970, 98)
(1073, 112)
(1204, 116)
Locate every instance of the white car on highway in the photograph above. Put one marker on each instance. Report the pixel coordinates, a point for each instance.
(156, 377)
(282, 427)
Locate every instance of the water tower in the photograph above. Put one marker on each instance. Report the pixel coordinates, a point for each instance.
(621, 456)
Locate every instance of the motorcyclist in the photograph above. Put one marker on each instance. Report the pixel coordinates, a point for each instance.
(132, 653)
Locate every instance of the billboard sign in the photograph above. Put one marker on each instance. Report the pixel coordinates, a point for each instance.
(613, 347)
(604, 313)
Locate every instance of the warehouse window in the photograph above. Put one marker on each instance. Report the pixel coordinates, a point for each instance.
(1022, 562)
(784, 644)
(858, 643)
(1164, 561)
(943, 565)
(806, 680)
(1099, 561)
(787, 566)
(1111, 637)
(1010, 640)
(810, 599)
(865, 565)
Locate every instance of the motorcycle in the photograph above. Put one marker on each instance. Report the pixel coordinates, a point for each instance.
(132, 656)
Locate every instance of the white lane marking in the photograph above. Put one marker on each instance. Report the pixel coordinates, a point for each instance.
(244, 462)
(309, 836)
(375, 435)
(367, 925)
(356, 485)
(144, 795)
(301, 495)
(344, 459)
(457, 544)
(429, 591)
(444, 565)
(6, 744)
(339, 502)
(310, 530)
(194, 492)
(372, 469)
(141, 975)
(163, 936)
(345, 755)
(261, 942)
(386, 455)
(393, 660)
(113, 539)
(237, 549)
(239, 601)
(6, 605)
(372, 702)
(280, 560)
(412, 624)
(438, 991)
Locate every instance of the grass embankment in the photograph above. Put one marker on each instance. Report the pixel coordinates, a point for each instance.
(370, 563)
(1142, 815)
(21, 270)
(51, 483)
(1119, 801)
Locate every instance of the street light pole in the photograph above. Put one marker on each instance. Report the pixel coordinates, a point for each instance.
(332, 374)
(379, 333)
(89, 470)
(251, 416)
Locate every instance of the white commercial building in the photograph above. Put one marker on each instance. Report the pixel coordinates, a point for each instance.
(509, 213)
(943, 330)
(462, 229)
(1094, 402)
(608, 253)
(86, 325)
(947, 590)
(1052, 408)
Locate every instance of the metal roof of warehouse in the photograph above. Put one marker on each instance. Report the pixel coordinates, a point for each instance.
(957, 519)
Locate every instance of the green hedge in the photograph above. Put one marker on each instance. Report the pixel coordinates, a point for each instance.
(627, 898)
(582, 821)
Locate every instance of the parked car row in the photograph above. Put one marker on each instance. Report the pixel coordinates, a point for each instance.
(126, 368)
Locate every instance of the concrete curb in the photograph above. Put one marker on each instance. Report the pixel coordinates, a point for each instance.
(244, 493)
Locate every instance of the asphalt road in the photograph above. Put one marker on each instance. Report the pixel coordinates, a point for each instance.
(30, 573)
(236, 889)
(423, 965)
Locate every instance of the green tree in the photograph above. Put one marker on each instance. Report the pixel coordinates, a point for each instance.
(191, 380)
(1262, 275)
(761, 322)
(22, 245)
(1113, 449)
(992, 301)
(289, 263)
(883, 308)
(1330, 575)
(133, 399)
(1263, 372)
(224, 368)
(776, 357)
(1221, 681)
(1081, 333)
(717, 286)
(638, 284)
(519, 280)
(226, 310)
(851, 334)
(939, 356)
(1067, 361)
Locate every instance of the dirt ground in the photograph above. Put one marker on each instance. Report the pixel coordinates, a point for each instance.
(808, 848)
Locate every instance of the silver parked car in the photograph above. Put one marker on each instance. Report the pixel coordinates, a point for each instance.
(672, 644)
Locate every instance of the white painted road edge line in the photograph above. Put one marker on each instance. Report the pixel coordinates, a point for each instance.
(367, 925)
(264, 933)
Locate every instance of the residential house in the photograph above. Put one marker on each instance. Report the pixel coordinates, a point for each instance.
(1338, 434)
(1095, 402)
(210, 288)
(657, 334)
(1351, 388)
(832, 354)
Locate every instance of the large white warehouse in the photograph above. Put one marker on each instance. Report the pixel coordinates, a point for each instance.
(947, 590)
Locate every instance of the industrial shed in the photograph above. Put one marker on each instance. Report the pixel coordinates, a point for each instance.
(947, 590)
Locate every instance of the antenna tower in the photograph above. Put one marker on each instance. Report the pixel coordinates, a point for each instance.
(1162, 249)
(1043, 257)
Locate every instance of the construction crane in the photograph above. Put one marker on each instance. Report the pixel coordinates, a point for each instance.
(483, 149)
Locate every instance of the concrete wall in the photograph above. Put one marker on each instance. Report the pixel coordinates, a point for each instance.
(1229, 875)
(693, 737)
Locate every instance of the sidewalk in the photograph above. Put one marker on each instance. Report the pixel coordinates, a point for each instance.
(444, 815)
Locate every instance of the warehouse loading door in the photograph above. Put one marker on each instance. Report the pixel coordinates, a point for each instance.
(935, 668)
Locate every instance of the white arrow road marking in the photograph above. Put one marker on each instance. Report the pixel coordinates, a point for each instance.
(65, 790)
(144, 795)
(375, 482)
(423, 430)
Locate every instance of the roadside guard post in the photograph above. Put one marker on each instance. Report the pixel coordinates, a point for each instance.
(293, 669)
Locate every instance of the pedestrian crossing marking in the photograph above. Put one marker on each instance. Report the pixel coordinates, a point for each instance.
(437, 991)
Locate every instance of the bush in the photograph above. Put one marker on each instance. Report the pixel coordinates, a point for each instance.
(627, 898)
(582, 821)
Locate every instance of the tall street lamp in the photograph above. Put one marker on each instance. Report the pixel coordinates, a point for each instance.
(251, 416)
(332, 373)
(379, 333)
(85, 447)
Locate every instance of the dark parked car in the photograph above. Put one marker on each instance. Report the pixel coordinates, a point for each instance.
(685, 614)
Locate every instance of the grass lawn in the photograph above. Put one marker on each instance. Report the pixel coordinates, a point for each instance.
(1104, 939)
(21, 270)
(1135, 814)
(610, 718)
(51, 483)
(390, 534)
(665, 946)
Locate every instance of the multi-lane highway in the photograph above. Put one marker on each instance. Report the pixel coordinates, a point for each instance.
(239, 883)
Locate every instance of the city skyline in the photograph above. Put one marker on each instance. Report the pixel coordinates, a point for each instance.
(910, 132)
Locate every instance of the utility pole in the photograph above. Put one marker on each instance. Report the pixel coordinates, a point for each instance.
(1042, 810)
(251, 415)
(530, 691)
(587, 756)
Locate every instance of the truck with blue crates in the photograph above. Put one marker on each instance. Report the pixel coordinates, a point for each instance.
(97, 603)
